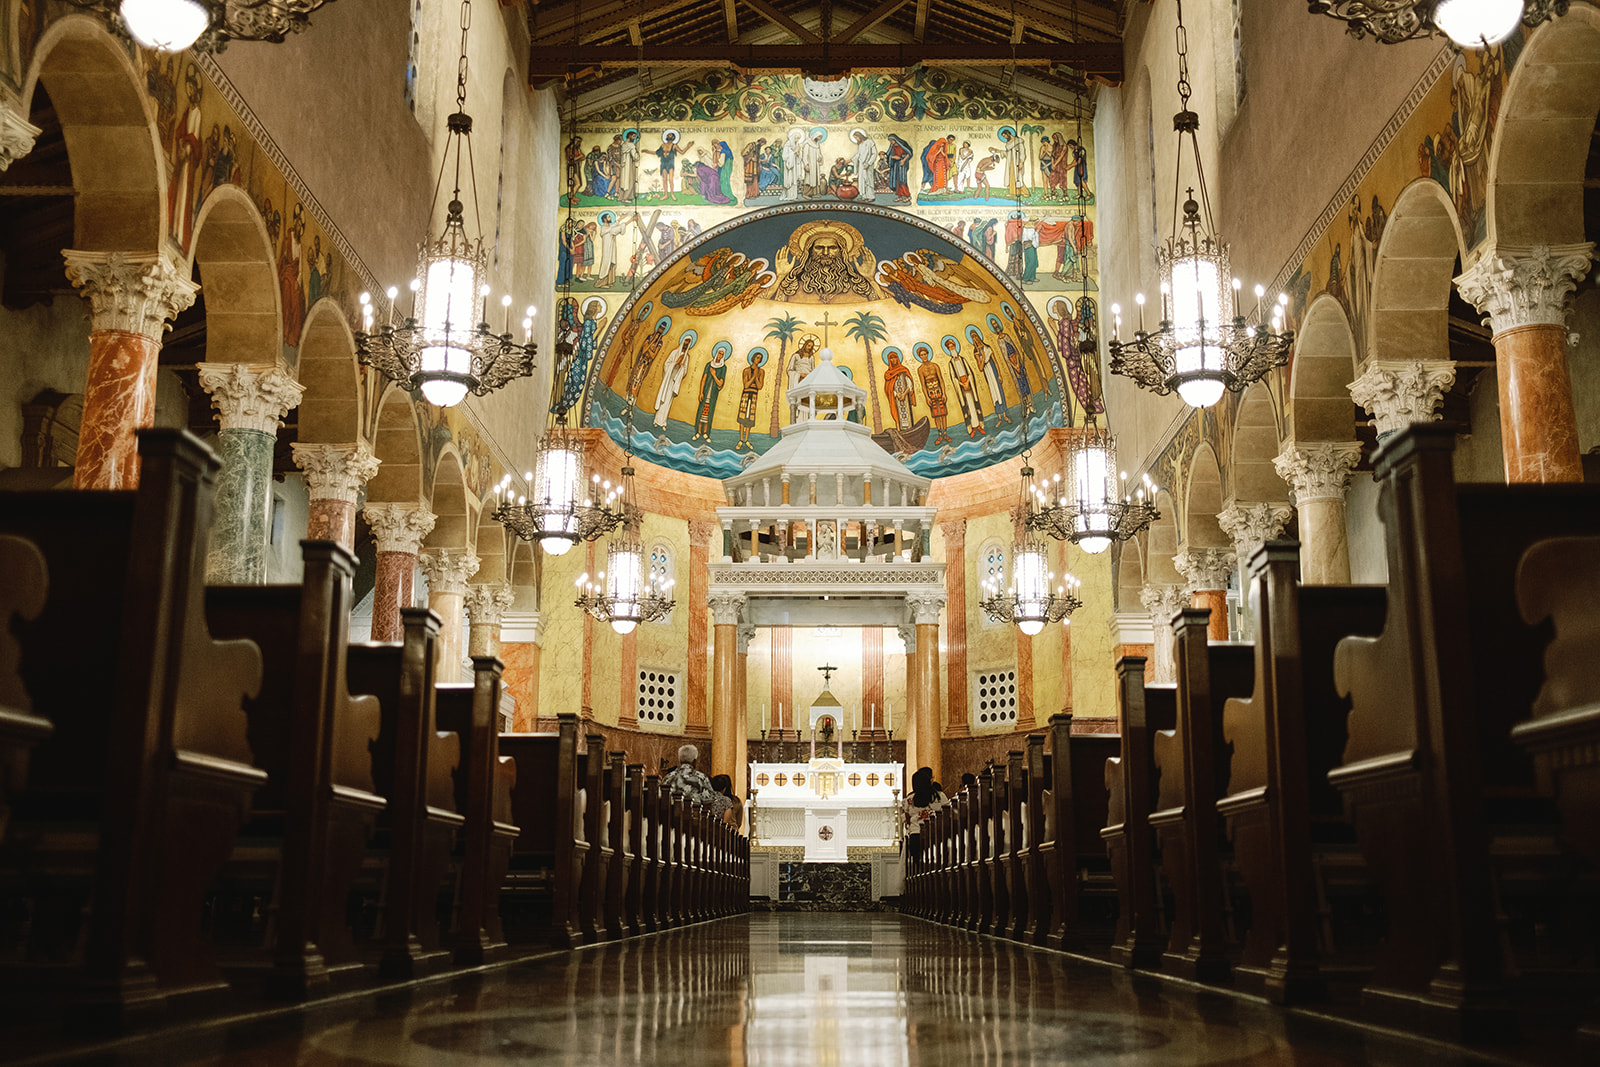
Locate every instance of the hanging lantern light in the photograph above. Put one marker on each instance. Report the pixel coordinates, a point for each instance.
(1091, 506)
(1467, 23)
(556, 507)
(628, 592)
(1034, 597)
(202, 25)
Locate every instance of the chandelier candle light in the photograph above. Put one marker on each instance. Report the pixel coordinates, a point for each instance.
(1092, 507)
(1202, 344)
(556, 506)
(436, 347)
(1468, 23)
(628, 591)
(203, 25)
(1030, 602)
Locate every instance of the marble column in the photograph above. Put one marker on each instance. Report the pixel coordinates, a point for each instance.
(1320, 473)
(1251, 526)
(725, 609)
(486, 606)
(1206, 572)
(907, 719)
(249, 402)
(1163, 602)
(1525, 292)
(17, 134)
(132, 300)
(741, 699)
(1397, 393)
(522, 651)
(398, 529)
(335, 475)
(925, 609)
(447, 571)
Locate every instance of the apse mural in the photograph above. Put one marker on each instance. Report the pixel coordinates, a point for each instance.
(956, 361)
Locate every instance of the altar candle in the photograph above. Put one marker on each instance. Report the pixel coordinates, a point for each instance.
(886, 725)
(764, 723)
(874, 717)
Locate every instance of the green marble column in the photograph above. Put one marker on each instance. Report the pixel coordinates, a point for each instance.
(249, 402)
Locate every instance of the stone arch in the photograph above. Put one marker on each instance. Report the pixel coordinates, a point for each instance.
(454, 524)
(118, 169)
(493, 550)
(239, 283)
(1412, 277)
(397, 443)
(1541, 142)
(330, 413)
(1162, 544)
(1320, 408)
(1203, 501)
(1131, 573)
(1256, 443)
(523, 571)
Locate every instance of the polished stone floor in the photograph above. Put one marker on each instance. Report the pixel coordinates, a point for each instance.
(786, 990)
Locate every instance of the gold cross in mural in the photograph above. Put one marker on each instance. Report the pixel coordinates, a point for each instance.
(824, 323)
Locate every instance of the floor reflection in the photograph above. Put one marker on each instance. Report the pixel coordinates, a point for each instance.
(788, 990)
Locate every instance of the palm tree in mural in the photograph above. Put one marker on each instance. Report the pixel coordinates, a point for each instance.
(866, 327)
(781, 330)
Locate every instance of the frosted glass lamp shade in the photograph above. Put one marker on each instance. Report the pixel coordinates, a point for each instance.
(165, 25)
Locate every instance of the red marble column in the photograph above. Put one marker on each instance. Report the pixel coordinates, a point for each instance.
(741, 700)
(486, 605)
(872, 681)
(398, 529)
(955, 591)
(700, 537)
(783, 714)
(925, 611)
(132, 299)
(1206, 571)
(335, 475)
(1524, 290)
(725, 608)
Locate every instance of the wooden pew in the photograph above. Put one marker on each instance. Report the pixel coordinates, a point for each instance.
(654, 892)
(596, 828)
(135, 799)
(540, 901)
(1191, 760)
(969, 830)
(623, 859)
(1129, 783)
(311, 822)
(484, 783)
(413, 763)
(1034, 857)
(1279, 810)
(1076, 809)
(1427, 774)
(633, 901)
(1014, 861)
(24, 579)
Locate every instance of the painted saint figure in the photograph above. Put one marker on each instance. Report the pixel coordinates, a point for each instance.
(668, 155)
(866, 164)
(754, 377)
(594, 310)
(712, 379)
(649, 350)
(899, 154)
(989, 363)
(672, 373)
(933, 390)
(966, 387)
(803, 363)
(628, 165)
(1013, 357)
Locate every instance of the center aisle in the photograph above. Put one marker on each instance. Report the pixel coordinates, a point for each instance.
(788, 990)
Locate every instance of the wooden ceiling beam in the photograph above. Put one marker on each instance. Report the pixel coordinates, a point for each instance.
(558, 28)
(869, 20)
(730, 15)
(922, 20)
(773, 15)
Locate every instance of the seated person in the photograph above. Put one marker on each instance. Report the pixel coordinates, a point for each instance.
(731, 807)
(686, 782)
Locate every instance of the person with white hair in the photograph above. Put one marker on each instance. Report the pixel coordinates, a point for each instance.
(686, 782)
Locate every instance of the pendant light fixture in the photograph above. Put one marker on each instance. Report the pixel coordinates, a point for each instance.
(1202, 344)
(202, 25)
(441, 347)
(1092, 506)
(1467, 23)
(1029, 600)
(627, 592)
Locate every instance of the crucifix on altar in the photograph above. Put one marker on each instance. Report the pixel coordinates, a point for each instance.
(826, 723)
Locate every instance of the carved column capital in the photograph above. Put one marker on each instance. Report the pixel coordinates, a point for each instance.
(448, 570)
(250, 398)
(1318, 470)
(1525, 285)
(702, 533)
(335, 472)
(487, 603)
(1400, 392)
(134, 293)
(925, 608)
(17, 134)
(1205, 568)
(747, 632)
(1164, 601)
(1253, 525)
(908, 634)
(725, 608)
(399, 527)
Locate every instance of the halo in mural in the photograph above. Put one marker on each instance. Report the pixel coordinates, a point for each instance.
(708, 346)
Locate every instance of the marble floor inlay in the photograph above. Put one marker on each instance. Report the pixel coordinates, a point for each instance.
(786, 990)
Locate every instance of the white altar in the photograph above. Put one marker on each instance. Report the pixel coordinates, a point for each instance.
(826, 805)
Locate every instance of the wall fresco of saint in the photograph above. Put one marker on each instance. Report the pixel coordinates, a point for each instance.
(1002, 186)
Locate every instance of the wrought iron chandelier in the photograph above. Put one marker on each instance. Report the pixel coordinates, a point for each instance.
(557, 506)
(1029, 601)
(1468, 23)
(1196, 349)
(203, 25)
(437, 347)
(1092, 507)
(628, 591)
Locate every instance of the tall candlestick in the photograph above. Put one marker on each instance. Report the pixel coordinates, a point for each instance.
(886, 716)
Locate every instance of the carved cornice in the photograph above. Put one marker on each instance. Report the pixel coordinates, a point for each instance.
(1398, 393)
(399, 527)
(250, 398)
(1525, 285)
(335, 472)
(1205, 568)
(448, 570)
(1318, 470)
(134, 293)
(16, 133)
(486, 603)
(1253, 525)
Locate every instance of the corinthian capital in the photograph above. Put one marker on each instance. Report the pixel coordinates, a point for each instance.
(486, 604)
(925, 608)
(399, 527)
(134, 293)
(250, 398)
(1398, 393)
(1205, 568)
(335, 472)
(1253, 525)
(448, 570)
(725, 608)
(1164, 601)
(1320, 470)
(16, 133)
(1525, 285)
